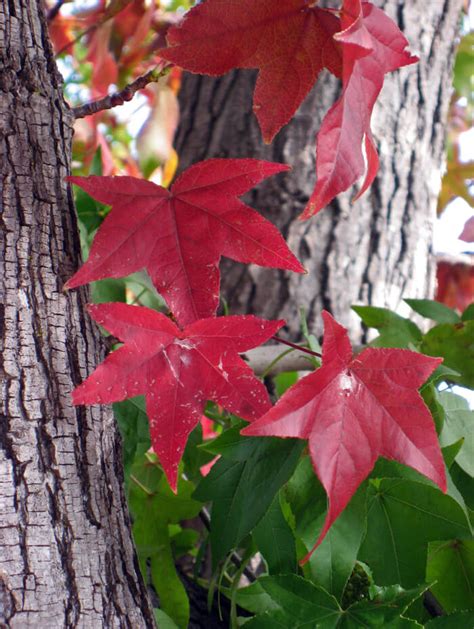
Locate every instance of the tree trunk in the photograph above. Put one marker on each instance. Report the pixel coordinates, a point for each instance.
(374, 252)
(66, 555)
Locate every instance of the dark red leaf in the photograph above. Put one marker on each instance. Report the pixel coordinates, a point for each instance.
(178, 371)
(290, 42)
(372, 46)
(353, 410)
(180, 235)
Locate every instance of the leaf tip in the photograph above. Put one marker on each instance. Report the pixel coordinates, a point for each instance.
(310, 210)
(74, 179)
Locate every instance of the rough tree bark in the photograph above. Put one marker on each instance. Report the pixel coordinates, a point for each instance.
(375, 252)
(66, 555)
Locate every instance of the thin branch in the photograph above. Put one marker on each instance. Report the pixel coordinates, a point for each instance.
(119, 98)
(52, 13)
(300, 348)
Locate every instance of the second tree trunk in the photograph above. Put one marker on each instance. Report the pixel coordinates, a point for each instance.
(375, 252)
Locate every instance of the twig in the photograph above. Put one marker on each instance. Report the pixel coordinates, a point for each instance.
(300, 348)
(52, 13)
(234, 557)
(119, 98)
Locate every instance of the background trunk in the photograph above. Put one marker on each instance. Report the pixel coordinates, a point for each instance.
(66, 555)
(375, 252)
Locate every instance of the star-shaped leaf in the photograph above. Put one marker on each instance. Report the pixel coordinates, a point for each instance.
(177, 371)
(289, 42)
(353, 410)
(179, 235)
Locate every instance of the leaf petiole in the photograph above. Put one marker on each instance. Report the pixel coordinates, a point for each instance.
(298, 347)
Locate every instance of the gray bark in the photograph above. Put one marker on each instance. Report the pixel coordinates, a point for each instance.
(66, 555)
(374, 252)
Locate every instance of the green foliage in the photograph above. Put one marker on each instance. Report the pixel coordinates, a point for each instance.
(402, 517)
(452, 339)
(290, 601)
(450, 568)
(275, 540)
(332, 563)
(455, 344)
(458, 424)
(394, 331)
(433, 310)
(453, 621)
(397, 533)
(263, 464)
(154, 507)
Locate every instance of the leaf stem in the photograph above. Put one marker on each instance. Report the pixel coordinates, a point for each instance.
(298, 347)
(275, 361)
(141, 485)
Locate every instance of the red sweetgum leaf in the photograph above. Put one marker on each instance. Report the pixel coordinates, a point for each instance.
(104, 65)
(179, 235)
(353, 410)
(290, 42)
(178, 371)
(372, 46)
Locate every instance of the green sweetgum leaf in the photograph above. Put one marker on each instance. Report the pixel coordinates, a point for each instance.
(133, 424)
(464, 484)
(433, 310)
(464, 620)
(451, 565)
(288, 601)
(394, 330)
(450, 452)
(458, 424)
(468, 314)
(275, 540)
(108, 290)
(243, 483)
(332, 563)
(402, 517)
(384, 609)
(291, 601)
(163, 620)
(455, 344)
